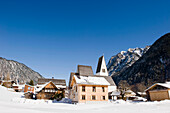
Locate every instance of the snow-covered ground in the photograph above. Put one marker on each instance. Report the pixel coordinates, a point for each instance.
(11, 102)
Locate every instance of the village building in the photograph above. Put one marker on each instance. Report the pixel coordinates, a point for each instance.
(0, 82)
(115, 94)
(158, 92)
(85, 86)
(29, 91)
(18, 87)
(7, 82)
(29, 88)
(48, 88)
(46, 91)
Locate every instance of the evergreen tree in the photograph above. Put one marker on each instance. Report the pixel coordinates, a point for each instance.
(31, 83)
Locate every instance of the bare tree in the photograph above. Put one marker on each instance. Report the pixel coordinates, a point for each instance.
(123, 86)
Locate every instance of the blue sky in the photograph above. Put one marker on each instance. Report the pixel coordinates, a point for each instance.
(53, 37)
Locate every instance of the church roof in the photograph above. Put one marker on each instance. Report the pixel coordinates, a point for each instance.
(84, 70)
(99, 64)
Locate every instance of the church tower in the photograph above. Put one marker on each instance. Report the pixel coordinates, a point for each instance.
(101, 67)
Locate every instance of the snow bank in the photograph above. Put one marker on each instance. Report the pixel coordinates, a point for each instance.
(6, 95)
(31, 101)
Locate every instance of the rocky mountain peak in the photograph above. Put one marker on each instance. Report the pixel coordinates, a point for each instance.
(17, 72)
(124, 59)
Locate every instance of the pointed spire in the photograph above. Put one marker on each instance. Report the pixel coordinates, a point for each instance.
(101, 67)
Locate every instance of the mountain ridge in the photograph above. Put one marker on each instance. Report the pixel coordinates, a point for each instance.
(124, 59)
(18, 72)
(152, 67)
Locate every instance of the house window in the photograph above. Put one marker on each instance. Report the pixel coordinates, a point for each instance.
(103, 97)
(103, 89)
(103, 70)
(83, 88)
(93, 97)
(83, 97)
(94, 89)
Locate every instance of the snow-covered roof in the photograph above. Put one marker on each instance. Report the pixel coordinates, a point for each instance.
(40, 87)
(60, 86)
(167, 85)
(91, 80)
(112, 88)
(20, 86)
(130, 92)
(115, 93)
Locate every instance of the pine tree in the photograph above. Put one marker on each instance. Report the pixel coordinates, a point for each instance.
(31, 83)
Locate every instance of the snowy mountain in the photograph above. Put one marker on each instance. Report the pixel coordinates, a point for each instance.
(152, 67)
(17, 71)
(124, 59)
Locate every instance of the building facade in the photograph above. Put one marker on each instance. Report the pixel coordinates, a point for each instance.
(49, 88)
(158, 92)
(85, 86)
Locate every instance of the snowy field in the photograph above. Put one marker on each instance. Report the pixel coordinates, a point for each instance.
(11, 102)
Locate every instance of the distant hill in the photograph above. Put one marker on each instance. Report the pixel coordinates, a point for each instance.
(17, 71)
(120, 62)
(152, 67)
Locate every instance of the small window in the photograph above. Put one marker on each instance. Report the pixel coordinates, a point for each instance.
(83, 88)
(103, 89)
(83, 97)
(103, 70)
(103, 97)
(93, 97)
(94, 89)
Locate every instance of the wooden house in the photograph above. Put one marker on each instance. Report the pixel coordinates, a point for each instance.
(85, 86)
(29, 88)
(7, 82)
(0, 82)
(29, 95)
(158, 92)
(48, 88)
(46, 91)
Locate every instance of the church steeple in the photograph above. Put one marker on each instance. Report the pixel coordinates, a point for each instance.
(101, 67)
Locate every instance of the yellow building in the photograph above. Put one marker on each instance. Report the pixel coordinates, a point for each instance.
(85, 86)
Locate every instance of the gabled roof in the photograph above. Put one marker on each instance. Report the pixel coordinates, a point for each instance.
(55, 81)
(71, 77)
(166, 85)
(115, 93)
(84, 70)
(94, 80)
(42, 86)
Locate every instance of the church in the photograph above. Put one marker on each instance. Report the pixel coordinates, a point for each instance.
(86, 86)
